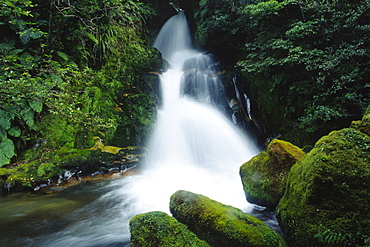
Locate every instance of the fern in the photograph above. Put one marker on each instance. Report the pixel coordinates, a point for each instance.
(330, 237)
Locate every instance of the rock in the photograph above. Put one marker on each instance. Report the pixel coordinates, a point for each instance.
(364, 124)
(219, 224)
(159, 229)
(264, 176)
(326, 202)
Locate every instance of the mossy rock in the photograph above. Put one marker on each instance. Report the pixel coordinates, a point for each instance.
(219, 224)
(264, 176)
(160, 229)
(326, 202)
(46, 165)
(364, 124)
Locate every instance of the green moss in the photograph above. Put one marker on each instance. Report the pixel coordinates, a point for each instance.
(73, 155)
(57, 131)
(219, 224)
(328, 191)
(264, 176)
(160, 229)
(42, 164)
(364, 124)
(22, 175)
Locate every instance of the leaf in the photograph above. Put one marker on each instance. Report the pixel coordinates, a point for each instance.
(15, 131)
(3, 160)
(6, 47)
(62, 55)
(92, 37)
(15, 51)
(25, 36)
(36, 34)
(7, 148)
(28, 117)
(3, 134)
(35, 105)
(5, 118)
(56, 79)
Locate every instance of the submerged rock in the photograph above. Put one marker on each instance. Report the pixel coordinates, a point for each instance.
(159, 229)
(326, 202)
(219, 224)
(264, 176)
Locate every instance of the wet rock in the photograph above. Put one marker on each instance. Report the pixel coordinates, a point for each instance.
(159, 229)
(219, 224)
(264, 176)
(326, 200)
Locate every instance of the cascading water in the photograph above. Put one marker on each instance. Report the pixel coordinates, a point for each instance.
(193, 147)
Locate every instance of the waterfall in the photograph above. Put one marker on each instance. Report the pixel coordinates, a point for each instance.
(191, 129)
(194, 147)
(171, 40)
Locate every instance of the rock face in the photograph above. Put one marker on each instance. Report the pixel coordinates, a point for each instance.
(219, 224)
(159, 229)
(264, 176)
(326, 202)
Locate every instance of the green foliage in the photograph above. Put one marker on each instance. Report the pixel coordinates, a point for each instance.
(13, 118)
(329, 237)
(62, 68)
(324, 43)
(6, 151)
(305, 62)
(101, 28)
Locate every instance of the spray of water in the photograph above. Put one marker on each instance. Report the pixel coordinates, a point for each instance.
(193, 147)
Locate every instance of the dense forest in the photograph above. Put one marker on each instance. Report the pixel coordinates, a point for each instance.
(74, 70)
(305, 64)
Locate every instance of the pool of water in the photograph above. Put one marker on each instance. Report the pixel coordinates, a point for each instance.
(34, 218)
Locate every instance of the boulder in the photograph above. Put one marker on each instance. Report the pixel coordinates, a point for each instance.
(264, 176)
(159, 229)
(219, 224)
(326, 202)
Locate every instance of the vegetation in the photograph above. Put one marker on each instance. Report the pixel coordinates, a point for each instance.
(306, 63)
(73, 70)
(74, 73)
(70, 71)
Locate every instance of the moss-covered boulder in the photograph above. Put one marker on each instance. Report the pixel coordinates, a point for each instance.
(326, 202)
(264, 176)
(159, 229)
(364, 124)
(219, 224)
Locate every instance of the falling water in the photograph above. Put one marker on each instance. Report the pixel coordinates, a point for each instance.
(193, 147)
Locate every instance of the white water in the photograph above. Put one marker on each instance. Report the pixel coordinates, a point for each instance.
(194, 147)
